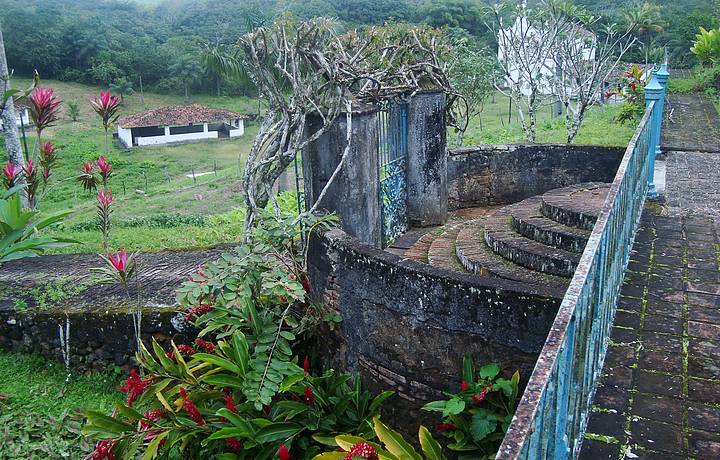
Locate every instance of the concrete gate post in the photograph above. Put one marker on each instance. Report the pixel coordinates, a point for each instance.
(354, 194)
(427, 192)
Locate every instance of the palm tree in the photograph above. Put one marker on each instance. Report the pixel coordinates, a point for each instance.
(187, 70)
(220, 61)
(643, 20)
(122, 86)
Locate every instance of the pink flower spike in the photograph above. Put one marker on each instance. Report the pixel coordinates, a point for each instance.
(105, 198)
(29, 168)
(10, 171)
(104, 166)
(88, 167)
(118, 260)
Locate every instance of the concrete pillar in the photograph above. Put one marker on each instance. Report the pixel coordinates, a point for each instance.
(653, 92)
(205, 127)
(662, 76)
(354, 194)
(427, 160)
(167, 131)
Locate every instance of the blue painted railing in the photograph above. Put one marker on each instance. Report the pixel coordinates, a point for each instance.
(551, 417)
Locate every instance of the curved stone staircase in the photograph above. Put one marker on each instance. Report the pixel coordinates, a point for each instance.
(537, 241)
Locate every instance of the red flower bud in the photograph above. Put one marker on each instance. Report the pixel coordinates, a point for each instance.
(464, 386)
(306, 365)
(283, 452)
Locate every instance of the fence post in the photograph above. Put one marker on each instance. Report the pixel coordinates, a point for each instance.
(653, 93)
(662, 76)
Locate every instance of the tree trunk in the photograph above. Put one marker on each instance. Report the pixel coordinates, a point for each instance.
(9, 118)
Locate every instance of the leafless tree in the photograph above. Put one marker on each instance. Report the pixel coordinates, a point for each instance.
(527, 40)
(309, 69)
(584, 61)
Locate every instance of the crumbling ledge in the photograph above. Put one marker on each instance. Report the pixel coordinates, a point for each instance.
(406, 325)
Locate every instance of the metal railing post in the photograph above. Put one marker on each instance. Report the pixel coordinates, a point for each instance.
(653, 93)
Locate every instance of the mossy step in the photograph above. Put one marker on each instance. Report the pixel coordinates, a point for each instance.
(477, 257)
(442, 252)
(419, 250)
(528, 221)
(577, 205)
(506, 242)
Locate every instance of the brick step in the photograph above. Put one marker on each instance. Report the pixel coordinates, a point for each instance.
(528, 221)
(577, 205)
(442, 252)
(419, 250)
(476, 257)
(506, 242)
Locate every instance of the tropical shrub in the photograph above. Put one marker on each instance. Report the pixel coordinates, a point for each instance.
(239, 391)
(632, 89)
(475, 419)
(19, 228)
(707, 46)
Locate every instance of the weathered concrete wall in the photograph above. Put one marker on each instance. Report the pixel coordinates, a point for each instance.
(406, 325)
(354, 194)
(502, 174)
(427, 160)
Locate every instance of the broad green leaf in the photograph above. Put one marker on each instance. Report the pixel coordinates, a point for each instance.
(489, 371)
(454, 406)
(277, 432)
(435, 406)
(152, 448)
(218, 361)
(330, 456)
(430, 447)
(483, 423)
(504, 385)
(107, 423)
(394, 442)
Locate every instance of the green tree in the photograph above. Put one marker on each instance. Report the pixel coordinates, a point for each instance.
(187, 70)
(643, 20)
(122, 86)
(220, 60)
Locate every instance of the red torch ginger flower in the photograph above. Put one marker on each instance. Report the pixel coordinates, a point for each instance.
(309, 396)
(186, 350)
(191, 408)
(10, 174)
(283, 452)
(306, 365)
(209, 347)
(134, 386)
(103, 450)
(198, 311)
(230, 404)
(234, 444)
(362, 450)
(478, 399)
(151, 416)
(445, 427)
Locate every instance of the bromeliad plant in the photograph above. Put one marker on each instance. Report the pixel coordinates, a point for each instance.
(44, 109)
(105, 200)
(107, 107)
(48, 160)
(475, 419)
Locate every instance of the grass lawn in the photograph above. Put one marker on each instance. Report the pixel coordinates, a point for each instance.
(153, 183)
(40, 414)
(492, 126)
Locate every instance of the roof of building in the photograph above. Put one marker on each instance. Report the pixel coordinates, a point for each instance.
(178, 115)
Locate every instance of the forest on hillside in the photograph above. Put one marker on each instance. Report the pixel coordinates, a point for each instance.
(166, 44)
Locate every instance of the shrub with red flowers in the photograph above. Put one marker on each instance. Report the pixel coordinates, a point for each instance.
(632, 89)
(240, 388)
(475, 419)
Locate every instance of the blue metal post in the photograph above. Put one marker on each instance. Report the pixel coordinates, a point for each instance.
(662, 76)
(653, 93)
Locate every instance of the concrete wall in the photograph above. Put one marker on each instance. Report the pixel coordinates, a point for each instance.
(125, 136)
(427, 160)
(353, 195)
(406, 325)
(239, 130)
(502, 174)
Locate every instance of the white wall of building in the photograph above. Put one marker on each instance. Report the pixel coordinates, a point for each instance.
(170, 138)
(125, 136)
(237, 128)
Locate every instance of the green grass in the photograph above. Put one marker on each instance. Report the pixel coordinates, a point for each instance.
(40, 413)
(147, 181)
(700, 79)
(492, 126)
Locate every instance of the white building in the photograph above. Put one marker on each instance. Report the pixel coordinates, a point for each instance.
(23, 113)
(165, 125)
(521, 46)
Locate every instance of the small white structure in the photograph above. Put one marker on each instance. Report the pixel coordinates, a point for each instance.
(165, 125)
(23, 113)
(519, 45)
